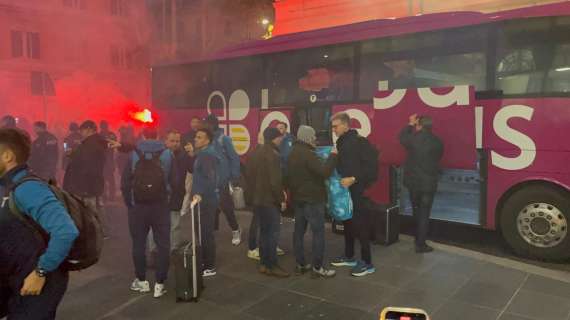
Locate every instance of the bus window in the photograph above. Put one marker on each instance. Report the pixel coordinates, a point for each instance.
(325, 73)
(432, 59)
(533, 56)
(558, 77)
(240, 74)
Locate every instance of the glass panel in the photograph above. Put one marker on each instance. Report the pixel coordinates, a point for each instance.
(431, 59)
(326, 73)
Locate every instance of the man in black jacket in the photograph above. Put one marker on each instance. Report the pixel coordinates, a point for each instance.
(45, 153)
(84, 174)
(351, 167)
(421, 172)
(306, 181)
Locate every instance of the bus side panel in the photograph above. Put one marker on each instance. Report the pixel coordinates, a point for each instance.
(524, 140)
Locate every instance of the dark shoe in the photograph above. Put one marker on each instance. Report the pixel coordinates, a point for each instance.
(362, 269)
(301, 270)
(344, 262)
(262, 269)
(278, 272)
(424, 249)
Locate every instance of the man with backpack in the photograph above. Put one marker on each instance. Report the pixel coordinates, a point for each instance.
(146, 184)
(229, 173)
(358, 167)
(32, 278)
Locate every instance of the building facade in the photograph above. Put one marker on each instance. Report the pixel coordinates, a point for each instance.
(69, 60)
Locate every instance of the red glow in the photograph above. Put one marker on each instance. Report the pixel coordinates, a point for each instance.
(144, 116)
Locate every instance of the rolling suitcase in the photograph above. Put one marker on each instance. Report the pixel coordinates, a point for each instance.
(188, 263)
(386, 225)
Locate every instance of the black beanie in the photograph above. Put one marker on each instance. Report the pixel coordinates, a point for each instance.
(271, 133)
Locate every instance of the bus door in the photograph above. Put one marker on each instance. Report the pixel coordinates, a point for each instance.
(316, 116)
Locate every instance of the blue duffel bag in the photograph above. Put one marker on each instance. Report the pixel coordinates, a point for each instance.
(339, 201)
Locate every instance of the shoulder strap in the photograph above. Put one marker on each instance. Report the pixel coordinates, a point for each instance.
(39, 232)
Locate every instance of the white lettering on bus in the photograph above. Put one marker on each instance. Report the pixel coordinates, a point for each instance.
(522, 141)
(390, 101)
(479, 127)
(221, 95)
(458, 95)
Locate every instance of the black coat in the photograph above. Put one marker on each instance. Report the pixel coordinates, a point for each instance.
(307, 174)
(44, 155)
(181, 160)
(84, 174)
(425, 150)
(350, 161)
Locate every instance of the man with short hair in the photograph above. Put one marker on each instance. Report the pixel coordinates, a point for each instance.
(286, 145)
(229, 173)
(268, 201)
(32, 282)
(84, 174)
(205, 189)
(189, 136)
(45, 152)
(421, 172)
(180, 160)
(147, 183)
(351, 167)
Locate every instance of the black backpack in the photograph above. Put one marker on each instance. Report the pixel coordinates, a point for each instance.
(87, 248)
(149, 184)
(370, 157)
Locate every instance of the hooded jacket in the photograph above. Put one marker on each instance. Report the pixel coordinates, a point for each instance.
(205, 177)
(148, 148)
(268, 179)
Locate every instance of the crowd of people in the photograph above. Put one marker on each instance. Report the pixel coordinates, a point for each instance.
(162, 176)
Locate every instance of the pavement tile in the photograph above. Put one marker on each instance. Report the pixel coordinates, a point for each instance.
(540, 306)
(510, 316)
(283, 305)
(486, 294)
(391, 276)
(331, 311)
(443, 286)
(548, 286)
(241, 296)
(453, 310)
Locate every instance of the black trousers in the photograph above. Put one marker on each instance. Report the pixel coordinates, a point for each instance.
(422, 203)
(42, 307)
(359, 227)
(227, 206)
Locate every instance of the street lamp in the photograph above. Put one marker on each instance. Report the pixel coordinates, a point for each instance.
(264, 21)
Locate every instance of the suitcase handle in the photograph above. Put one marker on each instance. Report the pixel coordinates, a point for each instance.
(195, 206)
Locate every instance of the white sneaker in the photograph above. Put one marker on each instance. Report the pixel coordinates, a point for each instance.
(159, 290)
(236, 239)
(140, 286)
(253, 254)
(209, 273)
(280, 252)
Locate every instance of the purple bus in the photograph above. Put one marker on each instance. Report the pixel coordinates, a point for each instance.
(497, 86)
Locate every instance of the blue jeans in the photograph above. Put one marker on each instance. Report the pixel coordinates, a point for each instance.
(142, 219)
(313, 215)
(269, 224)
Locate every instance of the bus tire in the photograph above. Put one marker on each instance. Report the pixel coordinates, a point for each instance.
(534, 222)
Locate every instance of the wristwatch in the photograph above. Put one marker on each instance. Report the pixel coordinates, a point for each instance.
(41, 272)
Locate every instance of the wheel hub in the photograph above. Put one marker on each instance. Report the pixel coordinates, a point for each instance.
(542, 225)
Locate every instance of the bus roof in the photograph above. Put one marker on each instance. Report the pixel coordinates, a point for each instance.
(379, 29)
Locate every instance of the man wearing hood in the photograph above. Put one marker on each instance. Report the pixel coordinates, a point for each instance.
(229, 173)
(146, 184)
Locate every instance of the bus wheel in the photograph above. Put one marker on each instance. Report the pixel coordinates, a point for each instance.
(534, 222)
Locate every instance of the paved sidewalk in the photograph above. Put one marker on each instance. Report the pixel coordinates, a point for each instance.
(448, 283)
